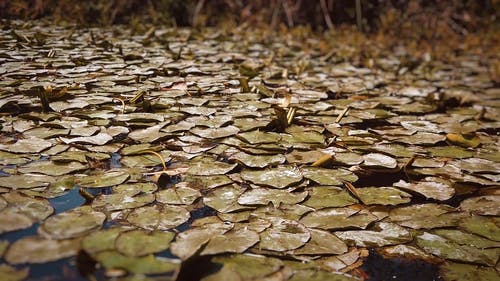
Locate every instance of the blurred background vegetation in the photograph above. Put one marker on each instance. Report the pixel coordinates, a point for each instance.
(459, 16)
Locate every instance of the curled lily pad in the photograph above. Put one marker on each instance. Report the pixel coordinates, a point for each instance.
(284, 235)
(190, 241)
(73, 223)
(138, 265)
(36, 249)
(338, 218)
(235, 241)
(106, 179)
(137, 243)
(158, 217)
(381, 234)
(262, 196)
(279, 177)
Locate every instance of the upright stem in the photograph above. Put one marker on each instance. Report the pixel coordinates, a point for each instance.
(359, 16)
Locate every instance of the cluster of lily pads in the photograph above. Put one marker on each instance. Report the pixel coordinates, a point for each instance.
(298, 161)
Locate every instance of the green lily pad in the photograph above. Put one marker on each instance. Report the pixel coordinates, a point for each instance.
(244, 267)
(319, 275)
(450, 152)
(180, 194)
(207, 182)
(322, 243)
(10, 273)
(225, 199)
(29, 145)
(231, 242)
(70, 156)
(101, 240)
(324, 176)
(259, 137)
(22, 211)
(190, 241)
(303, 157)
(383, 196)
(262, 196)
(279, 177)
(258, 161)
(444, 248)
(381, 234)
(329, 196)
(139, 265)
(426, 216)
(451, 271)
(73, 223)
(205, 166)
(132, 189)
(379, 160)
(488, 227)
(120, 201)
(284, 235)
(339, 218)
(136, 243)
(158, 217)
(464, 238)
(36, 249)
(148, 135)
(108, 178)
(482, 205)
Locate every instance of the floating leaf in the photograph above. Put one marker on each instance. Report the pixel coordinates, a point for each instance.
(383, 196)
(244, 267)
(381, 234)
(378, 160)
(10, 273)
(205, 166)
(29, 145)
(120, 201)
(325, 176)
(464, 140)
(338, 218)
(439, 190)
(225, 199)
(231, 242)
(426, 216)
(73, 223)
(284, 235)
(180, 194)
(101, 240)
(136, 243)
(328, 196)
(488, 227)
(109, 178)
(262, 196)
(482, 205)
(99, 139)
(36, 249)
(279, 177)
(158, 217)
(465, 272)
(321, 243)
(138, 265)
(52, 168)
(258, 161)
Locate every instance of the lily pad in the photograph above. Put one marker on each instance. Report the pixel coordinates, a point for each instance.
(231, 242)
(465, 272)
(322, 243)
(180, 194)
(383, 196)
(29, 145)
(482, 205)
(318, 275)
(101, 240)
(444, 248)
(10, 273)
(329, 196)
(258, 161)
(225, 199)
(324, 176)
(36, 249)
(120, 201)
(279, 177)
(339, 218)
(22, 211)
(190, 241)
(73, 223)
(244, 267)
(284, 235)
(136, 243)
(25, 181)
(435, 189)
(378, 160)
(158, 217)
(426, 216)
(51, 168)
(138, 265)
(381, 234)
(215, 133)
(262, 196)
(99, 139)
(205, 166)
(488, 227)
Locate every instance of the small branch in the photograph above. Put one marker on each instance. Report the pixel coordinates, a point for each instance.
(359, 16)
(342, 114)
(197, 11)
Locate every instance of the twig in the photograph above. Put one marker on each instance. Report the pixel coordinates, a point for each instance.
(123, 104)
(326, 15)
(159, 156)
(341, 115)
(359, 15)
(288, 13)
(197, 11)
(276, 11)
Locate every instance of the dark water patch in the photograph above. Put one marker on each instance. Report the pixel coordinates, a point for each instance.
(68, 201)
(379, 179)
(114, 161)
(379, 268)
(199, 213)
(61, 270)
(18, 234)
(197, 268)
